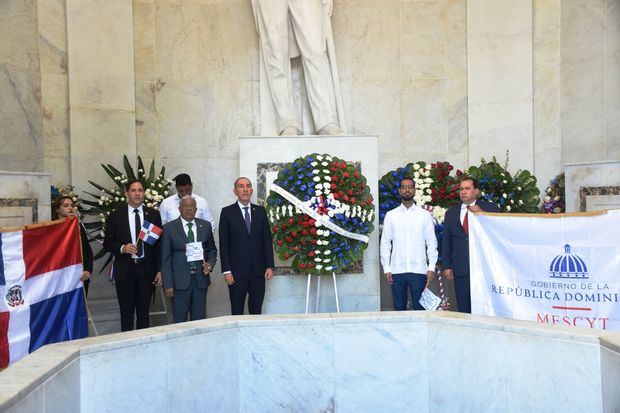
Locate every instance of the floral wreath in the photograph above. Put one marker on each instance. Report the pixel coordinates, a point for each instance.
(321, 212)
(554, 201)
(109, 199)
(435, 188)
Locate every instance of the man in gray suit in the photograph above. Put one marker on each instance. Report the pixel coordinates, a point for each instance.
(187, 281)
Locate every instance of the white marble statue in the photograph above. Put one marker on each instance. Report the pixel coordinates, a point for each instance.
(291, 28)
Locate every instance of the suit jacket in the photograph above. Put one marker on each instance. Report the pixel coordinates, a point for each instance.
(174, 266)
(455, 243)
(241, 253)
(117, 233)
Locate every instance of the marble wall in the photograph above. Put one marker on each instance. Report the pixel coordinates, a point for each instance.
(20, 88)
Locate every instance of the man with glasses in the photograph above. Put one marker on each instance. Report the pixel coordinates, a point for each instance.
(408, 248)
(186, 277)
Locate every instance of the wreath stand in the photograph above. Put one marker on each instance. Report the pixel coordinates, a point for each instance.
(318, 292)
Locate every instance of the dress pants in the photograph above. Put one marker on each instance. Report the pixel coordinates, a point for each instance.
(134, 293)
(404, 282)
(462, 290)
(252, 286)
(193, 300)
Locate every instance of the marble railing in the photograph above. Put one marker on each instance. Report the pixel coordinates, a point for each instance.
(355, 362)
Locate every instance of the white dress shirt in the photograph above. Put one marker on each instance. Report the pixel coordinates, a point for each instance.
(169, 209)
(464, 210)
(186, 228)
(408, 242)
(132, 226)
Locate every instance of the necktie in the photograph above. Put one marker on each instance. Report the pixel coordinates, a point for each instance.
(466, 222)
(190, 238)
(248, 223)
(190, 233)
(138, 227)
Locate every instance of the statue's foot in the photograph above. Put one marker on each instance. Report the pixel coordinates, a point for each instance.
(331, 129)
(290, 131)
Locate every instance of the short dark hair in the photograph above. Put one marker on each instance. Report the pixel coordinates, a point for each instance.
(240, 178)
(182, 180)
(131, 182)
(406, 178)
(474, 181)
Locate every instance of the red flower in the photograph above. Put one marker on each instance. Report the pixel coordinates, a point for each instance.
(312, 221)
(311, 254)
(290, 221)
(356, 174)
(301, 265)
(287, 255)
(313, 231)
(343, 165)
(353, 200)
(350, 192)
(282, 226)
(274, 229)
(294, 234)
(296, 248)
(279, 242)
(304, 232)
(335, 195)
(346, 174)
(289, 239)
(309, 265)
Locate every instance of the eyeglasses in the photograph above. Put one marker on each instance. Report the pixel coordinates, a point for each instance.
(407, 186)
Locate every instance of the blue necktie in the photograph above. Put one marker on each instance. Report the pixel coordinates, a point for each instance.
(248, 222)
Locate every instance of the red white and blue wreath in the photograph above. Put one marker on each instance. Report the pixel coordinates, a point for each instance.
(321, 212)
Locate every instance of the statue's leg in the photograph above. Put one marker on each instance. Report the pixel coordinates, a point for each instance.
(272, 19)
(307, 18)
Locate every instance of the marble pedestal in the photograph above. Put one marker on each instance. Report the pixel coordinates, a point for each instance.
(260, 158)
(24, 198)
(592, 186)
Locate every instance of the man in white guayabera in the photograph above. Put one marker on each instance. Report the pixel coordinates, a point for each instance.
(287, 29)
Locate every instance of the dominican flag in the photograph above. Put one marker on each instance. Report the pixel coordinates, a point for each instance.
(150, 233)
(41, 294)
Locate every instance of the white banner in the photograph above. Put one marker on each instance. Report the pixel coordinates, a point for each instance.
(562, 270)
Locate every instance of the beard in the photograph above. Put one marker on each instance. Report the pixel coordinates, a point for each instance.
(407, 198)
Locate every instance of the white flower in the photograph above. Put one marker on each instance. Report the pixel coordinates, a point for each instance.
(101, 215)
(103, 220)
(315, 171)
(316, 178)
(319, 157)
(317, 251)
(512, 201)
(122, 199)
(326, 185)
(330, 213)
(505, 181)
(508, 208)
(328, 158)
(319, 266)
(518, 188)
(140, 170)
(520, 202)
(482, 193)
(416, 166)
(325, 233)
(505, 196)
(150, 205)
(116, 199)
(557, 198)
(327, 252)
(428, 180)
(314, 163)
(326, 171)
(317, 259)
(318, 186)
(319, 232)
(317, 193)
(329, 268)
(416, 174)
(117, 178)
(161, 185)
(324, 163)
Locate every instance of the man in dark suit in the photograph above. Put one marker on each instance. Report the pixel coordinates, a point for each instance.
(187, 281)
(455, 243)
(136, 264)
(246, 251)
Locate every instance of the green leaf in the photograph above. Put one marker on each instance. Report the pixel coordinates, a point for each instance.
(130, 173)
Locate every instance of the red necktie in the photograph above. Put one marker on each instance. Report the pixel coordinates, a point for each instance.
(466, 222)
